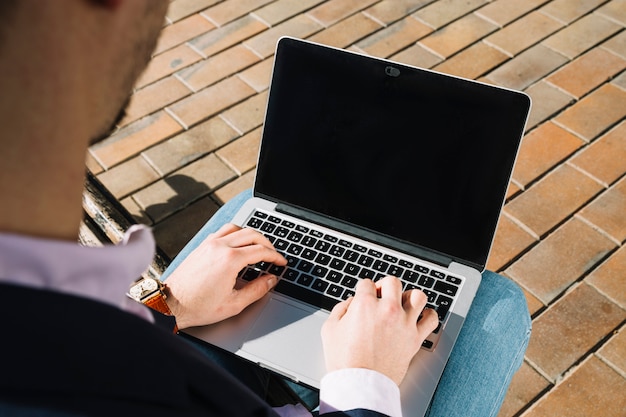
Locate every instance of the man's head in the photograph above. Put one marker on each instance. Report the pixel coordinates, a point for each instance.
(67, 69)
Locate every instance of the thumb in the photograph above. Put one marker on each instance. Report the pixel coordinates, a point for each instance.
(255, 289)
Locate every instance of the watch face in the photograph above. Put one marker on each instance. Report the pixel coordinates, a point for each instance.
(135, 291)
(149, 285)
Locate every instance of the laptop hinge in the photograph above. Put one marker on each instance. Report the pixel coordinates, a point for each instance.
(366, 234)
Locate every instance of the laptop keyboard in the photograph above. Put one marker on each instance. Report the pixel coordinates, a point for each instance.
(323, 268)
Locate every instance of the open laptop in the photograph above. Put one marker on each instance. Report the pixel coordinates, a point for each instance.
(369, 168)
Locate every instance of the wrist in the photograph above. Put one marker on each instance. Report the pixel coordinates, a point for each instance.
(154, 294)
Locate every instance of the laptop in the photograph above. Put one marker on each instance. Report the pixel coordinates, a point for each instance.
(368, 168)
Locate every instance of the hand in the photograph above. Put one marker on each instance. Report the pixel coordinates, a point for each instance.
(202, 289)
(377, 329)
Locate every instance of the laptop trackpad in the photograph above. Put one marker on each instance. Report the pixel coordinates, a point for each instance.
(287, 339)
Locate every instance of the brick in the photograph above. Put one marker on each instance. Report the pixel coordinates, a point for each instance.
(389, 11)
(394, 38)
(168, 63)
(543, 149)
(282, 10)
(569, 10)
(607, 211)
(604, 158)
(218, 67)
(241, 155)
(182, 8)
(610, 278)
(560, 260)
(595, 113)
(417, 56)
(617, 44)
(527, 68)
(264, 44)
(176, 231)
(587, 72)
(473, 62)
(503, 12)
(547, 101)
(181, 31)
(620, 81)
(227, 11)
(230, 190)
(616, 10)
(211, 101)
(227, 36)
(332, 11)
(134, 138)
(582, 35)
(525, 386)
(128, 177)
(523, 33)
(458, 35)
(534, 304)
(258, 76)
(564, 333)
(92, 165)
(347, 31)
(178, 190)
(554, 198)
(509, 242)
(594, 389)
(134, 210)
(443, 12)
(189, 146)
(248, 115)
(154, 97)
(614, 351)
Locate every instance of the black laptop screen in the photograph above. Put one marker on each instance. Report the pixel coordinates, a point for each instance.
(406, 153)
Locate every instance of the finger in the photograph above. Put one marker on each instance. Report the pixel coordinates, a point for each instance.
(253, 291)
(257, 253)
(340, 310)
(246, 237)
(225, 230)
(366, 287)
(414, 302)
(390, 288)
(428, 323)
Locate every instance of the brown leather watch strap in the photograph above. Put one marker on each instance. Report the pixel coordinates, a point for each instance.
(158, 303)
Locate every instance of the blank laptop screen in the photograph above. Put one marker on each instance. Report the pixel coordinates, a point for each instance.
(406, 153)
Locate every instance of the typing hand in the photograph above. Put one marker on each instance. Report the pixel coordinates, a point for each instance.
(202, 289)
(377, 329)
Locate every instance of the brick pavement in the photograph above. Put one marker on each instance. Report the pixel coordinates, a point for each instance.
(190, 139)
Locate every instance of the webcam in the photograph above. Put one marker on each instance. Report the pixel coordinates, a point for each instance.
(392, 71)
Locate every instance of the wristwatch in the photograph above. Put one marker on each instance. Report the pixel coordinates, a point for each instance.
(151, 292)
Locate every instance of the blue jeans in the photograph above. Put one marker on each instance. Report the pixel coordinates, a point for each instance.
(488, 352)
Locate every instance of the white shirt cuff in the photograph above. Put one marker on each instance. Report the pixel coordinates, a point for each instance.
(349, 389)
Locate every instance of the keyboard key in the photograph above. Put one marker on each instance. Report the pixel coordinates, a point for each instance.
(322, 246)
(317, 233)
(375, 253)
(295, 236)
(323, 259)
(337, 264)
(349, 282)
(347, 294)
(351, 269)
(437, 274)
(432, 296)
(281, 245)
(443, 306)
(274, 219)
(334, 290)
(405, 264)
(334, 276)
(281, 231)
(365, 260)
(367, 274)
(254, 223)
(422, 269)
(426, 281)
(410, 276)
(319, 285)
(389, 258)
(305, 294)
(331, 238)
(336, 250)
(453, 280)
(250, 274)
(380, 266)
(288, 224)
(359, 248)
(351, 256)
(309, 254)
(309, 241)
(445, 288)
(395, 270)
(302, 229)
(295, 249)
(345, 243)
(276, 270)
(305, 280)
(305, 266)
(260, 215)
(319, 271)
(268, 228)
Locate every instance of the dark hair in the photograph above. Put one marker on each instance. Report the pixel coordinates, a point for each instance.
(7, 10)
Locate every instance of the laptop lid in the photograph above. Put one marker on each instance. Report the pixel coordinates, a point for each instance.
(350, 138)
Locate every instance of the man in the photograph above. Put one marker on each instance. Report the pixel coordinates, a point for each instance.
(74, 343)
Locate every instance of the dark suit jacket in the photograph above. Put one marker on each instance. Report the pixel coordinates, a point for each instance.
(77, 356)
